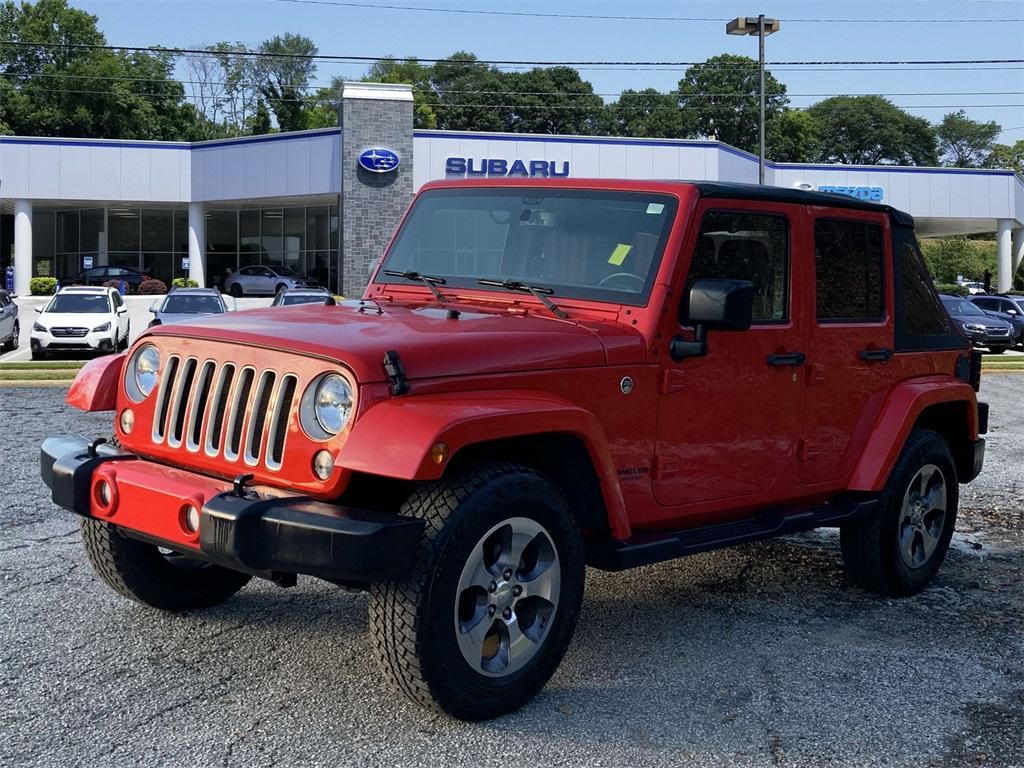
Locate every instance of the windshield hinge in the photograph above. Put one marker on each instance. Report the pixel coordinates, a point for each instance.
(395, 373)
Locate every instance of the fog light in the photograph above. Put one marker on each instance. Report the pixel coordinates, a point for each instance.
(104, 493)
(439, 453)
(323, 464)
(190, 518)
(127, 420)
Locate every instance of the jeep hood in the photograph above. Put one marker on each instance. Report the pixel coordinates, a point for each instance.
(429, 343)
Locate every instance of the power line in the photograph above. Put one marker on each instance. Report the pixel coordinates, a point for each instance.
(515, 62)
(493, 105)
(570, 94)
(608, 17)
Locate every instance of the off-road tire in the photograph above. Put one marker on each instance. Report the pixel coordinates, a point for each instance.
(140, 572)
(412, 620)
(870, 546)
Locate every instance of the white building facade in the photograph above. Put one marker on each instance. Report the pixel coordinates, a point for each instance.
(198, 210)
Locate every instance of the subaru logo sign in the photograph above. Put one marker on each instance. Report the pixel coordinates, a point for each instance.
(379, 160)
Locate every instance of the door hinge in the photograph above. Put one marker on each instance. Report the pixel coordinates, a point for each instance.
(807, 450)
(662, 467)
(672, 380)
(815, 374)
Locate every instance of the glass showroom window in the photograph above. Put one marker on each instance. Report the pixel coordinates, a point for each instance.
(221, 246)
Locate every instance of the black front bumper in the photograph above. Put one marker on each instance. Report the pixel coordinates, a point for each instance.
(264, 535)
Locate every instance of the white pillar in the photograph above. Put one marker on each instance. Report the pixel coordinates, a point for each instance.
(1017, 248)
(22, 246)
(197, 243)
(1003, 260)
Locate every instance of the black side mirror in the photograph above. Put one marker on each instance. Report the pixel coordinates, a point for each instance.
(719, 305)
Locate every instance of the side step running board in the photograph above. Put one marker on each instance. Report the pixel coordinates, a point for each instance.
(609, 555)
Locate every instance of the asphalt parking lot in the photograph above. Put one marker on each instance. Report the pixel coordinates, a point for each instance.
(758, 656)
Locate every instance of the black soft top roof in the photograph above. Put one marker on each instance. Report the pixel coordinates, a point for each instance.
(799, 197)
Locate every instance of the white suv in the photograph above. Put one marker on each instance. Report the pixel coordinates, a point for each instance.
(81, 318)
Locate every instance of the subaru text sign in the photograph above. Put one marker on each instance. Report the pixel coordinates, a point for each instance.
(470, 167)
(379, 160)
(870, 194)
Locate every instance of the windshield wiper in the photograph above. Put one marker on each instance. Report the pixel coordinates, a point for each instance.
(428, 280)
(539, 292)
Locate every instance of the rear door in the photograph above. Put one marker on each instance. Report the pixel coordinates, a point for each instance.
(729, 422)
(850, 355)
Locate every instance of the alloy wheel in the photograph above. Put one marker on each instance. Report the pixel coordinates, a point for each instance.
(922, 516)
(507, 597)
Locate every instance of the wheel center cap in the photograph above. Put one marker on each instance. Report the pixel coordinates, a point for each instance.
(503, 596)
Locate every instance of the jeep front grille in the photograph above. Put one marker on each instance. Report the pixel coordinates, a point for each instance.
(223, 411)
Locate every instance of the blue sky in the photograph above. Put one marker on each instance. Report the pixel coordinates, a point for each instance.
(988, 94)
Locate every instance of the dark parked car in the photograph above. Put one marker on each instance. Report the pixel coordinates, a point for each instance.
(1007, 308)
(187, 304)
(292, 296)
(101, 275)
(981, 329)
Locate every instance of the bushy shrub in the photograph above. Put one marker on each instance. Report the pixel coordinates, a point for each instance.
(184, 282)
(152, 287)
(42, 286)
(952, 289)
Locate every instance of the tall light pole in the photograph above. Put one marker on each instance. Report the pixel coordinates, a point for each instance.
(762, 27)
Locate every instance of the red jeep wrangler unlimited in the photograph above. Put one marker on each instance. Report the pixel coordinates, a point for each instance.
(542, 375)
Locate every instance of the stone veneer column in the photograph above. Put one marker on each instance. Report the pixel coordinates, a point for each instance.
(372, 115)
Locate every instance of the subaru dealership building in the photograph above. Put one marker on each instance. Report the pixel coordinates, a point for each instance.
(325, 202)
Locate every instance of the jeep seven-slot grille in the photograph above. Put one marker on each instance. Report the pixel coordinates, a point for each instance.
(238, 414)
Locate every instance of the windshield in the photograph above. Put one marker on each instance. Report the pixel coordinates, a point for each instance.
(961, 307)
(287, 301)
(192, 305)
(285, 271)
(80, 303)
(579, 243)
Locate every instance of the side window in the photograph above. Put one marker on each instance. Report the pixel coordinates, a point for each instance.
(985, 303)
(923, 314)
(745, 246)
(848, 270)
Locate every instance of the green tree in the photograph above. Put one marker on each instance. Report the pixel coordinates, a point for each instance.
(872, 130)
(259, 122)
(648, 113)
(74, 91)
(551, 100)
(410, 71)
(284, 71)
(794, 136)
(1007, 156)
(470, 96)
(965, 143)
(721, 97)
(951, 257)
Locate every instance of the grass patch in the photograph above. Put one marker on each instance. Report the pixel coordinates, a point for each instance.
(56, 365)
(37, 376)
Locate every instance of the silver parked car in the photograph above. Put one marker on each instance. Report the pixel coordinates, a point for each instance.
(292, 296)
(265, 280)
(186, 304)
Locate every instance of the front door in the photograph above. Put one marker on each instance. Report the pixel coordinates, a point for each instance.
(850, 356)
(729, 422)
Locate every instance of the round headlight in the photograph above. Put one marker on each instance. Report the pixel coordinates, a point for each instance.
(333, 403)
(146, 369)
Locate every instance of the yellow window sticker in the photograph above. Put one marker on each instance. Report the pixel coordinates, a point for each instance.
(619, 254)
